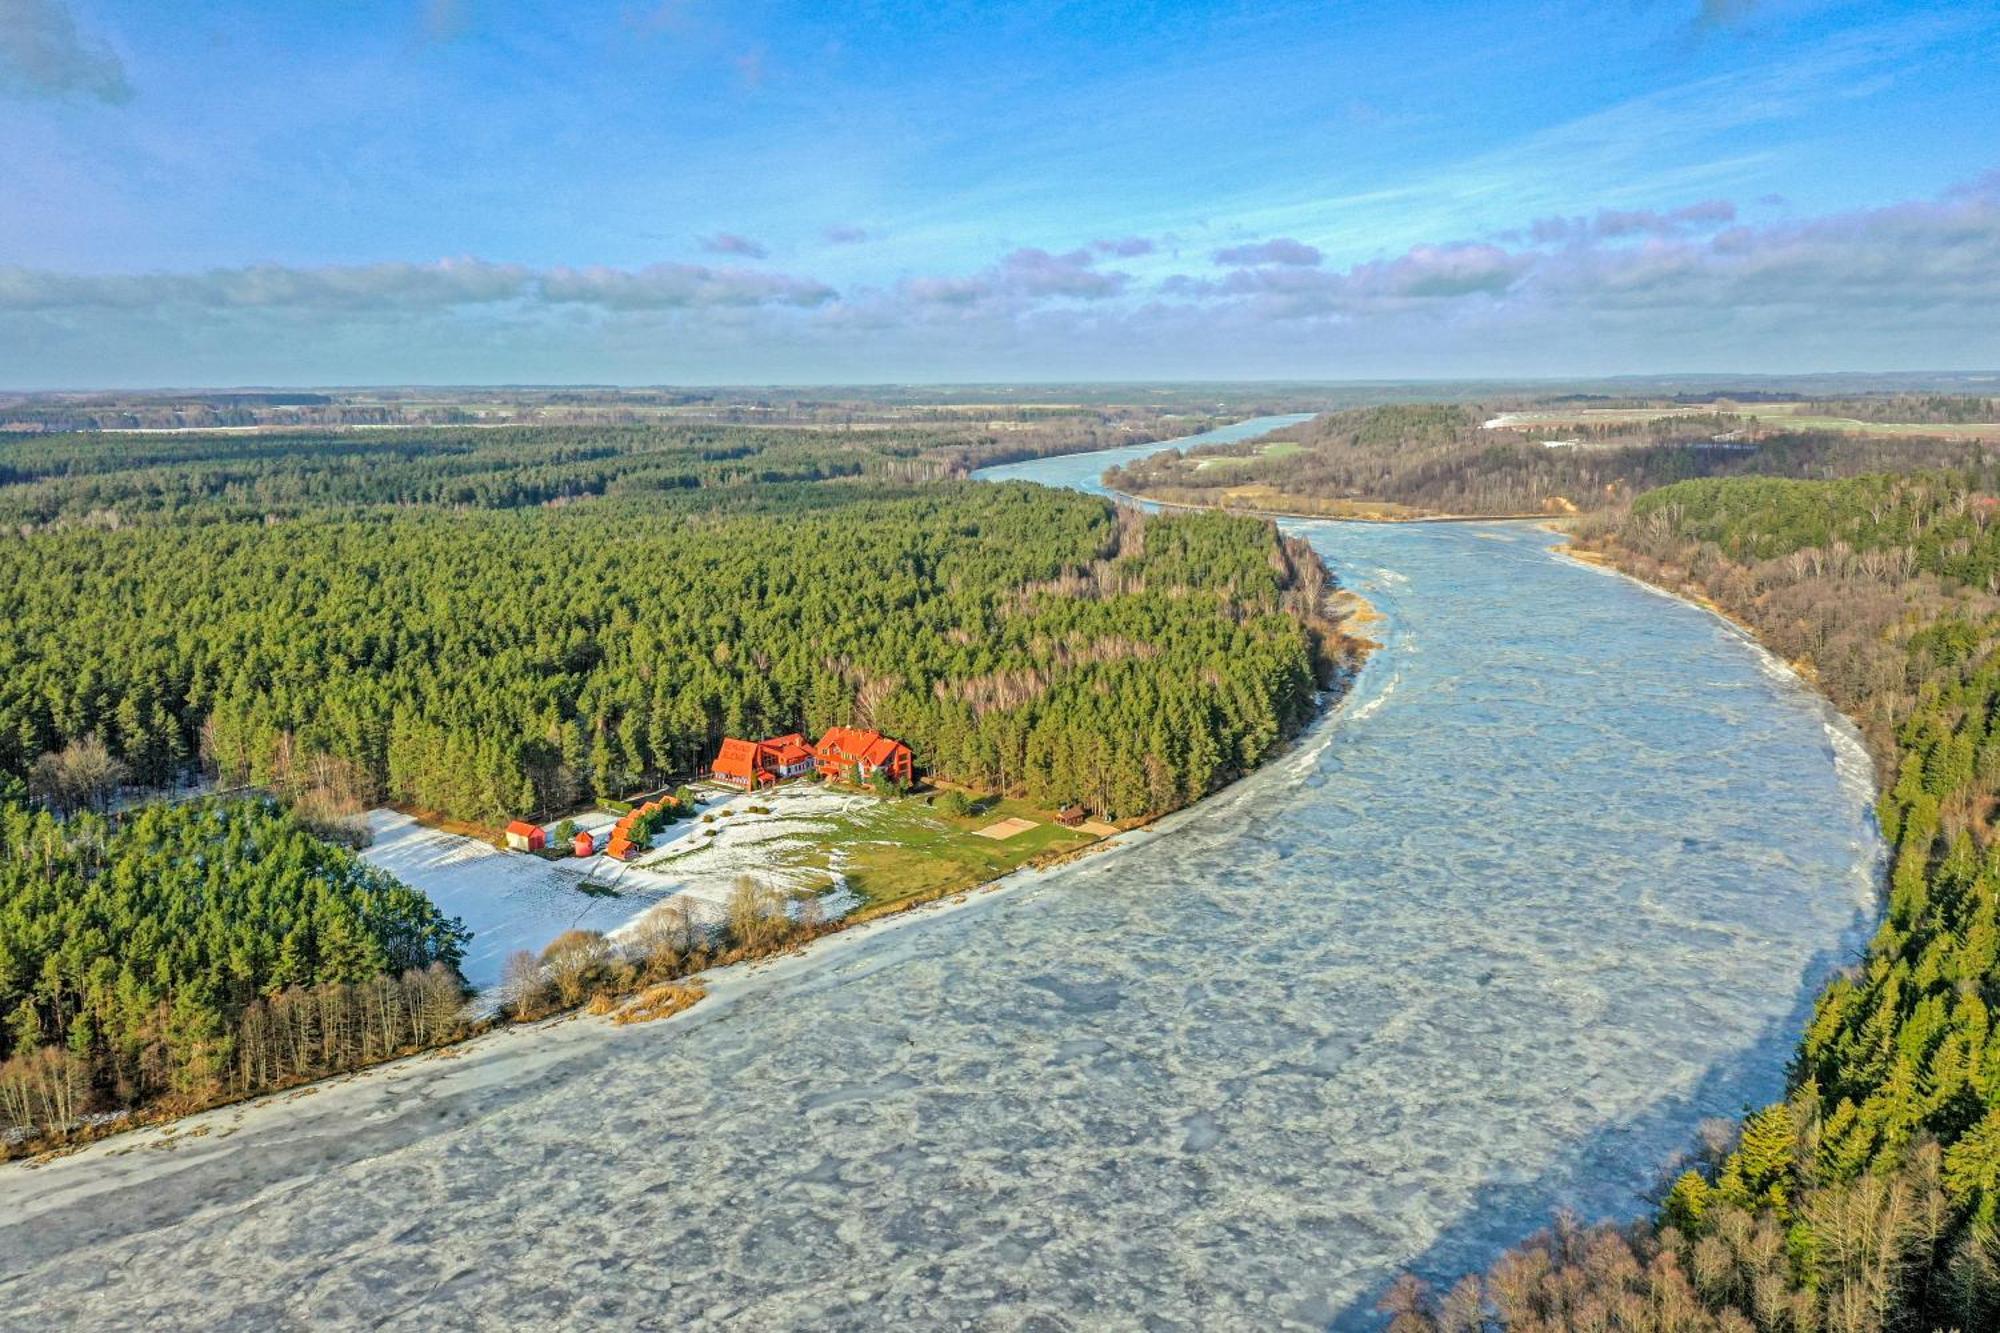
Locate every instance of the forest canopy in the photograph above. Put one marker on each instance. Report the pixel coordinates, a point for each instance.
(464, 630)
(1445, 459)
(129, 951)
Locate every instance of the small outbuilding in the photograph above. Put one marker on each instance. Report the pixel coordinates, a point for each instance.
(620, 848)
(525, 837)
(585, 845)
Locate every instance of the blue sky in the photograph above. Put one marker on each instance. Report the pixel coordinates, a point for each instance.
(698, 191)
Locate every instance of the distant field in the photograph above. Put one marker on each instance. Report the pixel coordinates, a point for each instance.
(1275, 449)
(1794, 415)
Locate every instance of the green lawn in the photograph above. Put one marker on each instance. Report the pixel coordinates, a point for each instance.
(906, 849)
(1275, 449)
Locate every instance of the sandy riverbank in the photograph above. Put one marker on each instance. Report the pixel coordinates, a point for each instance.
(1131, 498)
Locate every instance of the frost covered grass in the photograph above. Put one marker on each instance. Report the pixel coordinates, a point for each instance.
(852, 848)
(826, 850)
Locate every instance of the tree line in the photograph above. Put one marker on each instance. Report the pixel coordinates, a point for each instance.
(1439, 458)
(187, 951)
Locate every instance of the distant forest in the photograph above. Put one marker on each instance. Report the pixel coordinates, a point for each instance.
(1437, 458)
(119, 480)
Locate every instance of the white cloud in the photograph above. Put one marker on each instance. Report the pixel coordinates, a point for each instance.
(1912, 284)
(1280, 250)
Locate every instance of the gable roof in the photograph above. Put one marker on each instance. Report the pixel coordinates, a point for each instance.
(848, 742)
(881, 750)
(523, 828)
(739, 758)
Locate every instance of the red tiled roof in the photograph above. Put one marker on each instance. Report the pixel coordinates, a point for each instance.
(523, 828)
(738, 759)
(881, 750)
(849, 742)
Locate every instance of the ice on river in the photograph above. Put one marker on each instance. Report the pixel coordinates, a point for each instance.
(1492, 945)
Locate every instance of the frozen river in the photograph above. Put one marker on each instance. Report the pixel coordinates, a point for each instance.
(1553, 886)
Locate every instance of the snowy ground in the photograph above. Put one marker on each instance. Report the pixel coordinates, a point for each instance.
(513, 901)
(792, 846)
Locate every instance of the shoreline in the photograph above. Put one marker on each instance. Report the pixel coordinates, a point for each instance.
(723, 980)
(406, 1085)
(1330, 518)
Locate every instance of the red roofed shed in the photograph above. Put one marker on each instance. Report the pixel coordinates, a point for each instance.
(525, 837)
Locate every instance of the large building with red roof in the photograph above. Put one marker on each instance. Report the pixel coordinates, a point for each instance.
(849, 754)
(754, 764)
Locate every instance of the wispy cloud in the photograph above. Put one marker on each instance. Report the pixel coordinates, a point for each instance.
(729, 243)
(405, 287)
(1713, 14)
(1022, 277)
(1125, 247)
(1909, 283)
(1281, 250)
(842, 233)
(446, 19)
(1614, 223)
(44, 54)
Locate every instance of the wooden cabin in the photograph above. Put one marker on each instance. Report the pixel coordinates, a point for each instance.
(848, 754)
(525, 837)
(584, 844)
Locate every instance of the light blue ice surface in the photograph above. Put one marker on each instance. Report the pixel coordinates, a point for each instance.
(1555, 884)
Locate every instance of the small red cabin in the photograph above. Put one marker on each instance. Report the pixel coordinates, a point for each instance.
(585, 845)
(620, 847)
(525, 837)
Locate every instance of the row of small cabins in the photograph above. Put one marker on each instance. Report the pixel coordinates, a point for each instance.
(843, 754)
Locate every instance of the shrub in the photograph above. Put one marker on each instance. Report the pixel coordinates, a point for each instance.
(575, 963)
(662, 1001)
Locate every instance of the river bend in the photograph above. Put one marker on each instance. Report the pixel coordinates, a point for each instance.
(1554, 885)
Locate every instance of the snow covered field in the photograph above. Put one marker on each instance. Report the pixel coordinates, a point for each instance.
(509, 900)
(513, 901)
